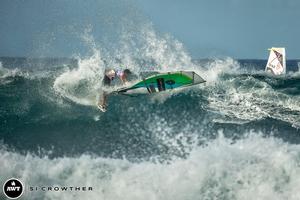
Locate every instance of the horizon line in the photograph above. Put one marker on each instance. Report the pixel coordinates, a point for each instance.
(207, 58)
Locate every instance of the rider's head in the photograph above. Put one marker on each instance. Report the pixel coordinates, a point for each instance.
(111, 74)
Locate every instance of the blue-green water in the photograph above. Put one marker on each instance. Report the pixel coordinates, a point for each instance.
(235, 136)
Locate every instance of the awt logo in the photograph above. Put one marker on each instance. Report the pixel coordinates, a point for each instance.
(13, 188)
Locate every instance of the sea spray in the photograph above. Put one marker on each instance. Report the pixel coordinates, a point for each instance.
(261, 167)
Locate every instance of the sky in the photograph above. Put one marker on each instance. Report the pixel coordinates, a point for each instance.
(206, 28)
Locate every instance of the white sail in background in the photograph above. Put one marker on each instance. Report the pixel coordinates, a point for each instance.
(276, 62)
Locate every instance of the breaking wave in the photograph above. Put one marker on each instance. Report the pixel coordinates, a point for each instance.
(263, 168)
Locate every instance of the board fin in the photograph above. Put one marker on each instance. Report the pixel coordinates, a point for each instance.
(102, 108)
(277, 61)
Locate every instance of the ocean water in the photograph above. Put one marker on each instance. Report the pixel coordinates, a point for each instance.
(235, 137)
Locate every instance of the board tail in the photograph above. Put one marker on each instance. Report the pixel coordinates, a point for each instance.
(277, 61)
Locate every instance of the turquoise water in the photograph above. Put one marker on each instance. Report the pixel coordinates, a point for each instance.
(235, 136)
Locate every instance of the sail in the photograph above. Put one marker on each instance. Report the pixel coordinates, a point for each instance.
(276, 62)
(164, 81)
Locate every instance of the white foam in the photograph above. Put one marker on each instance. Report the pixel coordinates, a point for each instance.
(82, 84)
(218, 67)
(247, 99)
(255, 167)
(4, 72)
(166, 53)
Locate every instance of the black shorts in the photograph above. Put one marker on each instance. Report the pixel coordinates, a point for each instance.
(106, 81)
